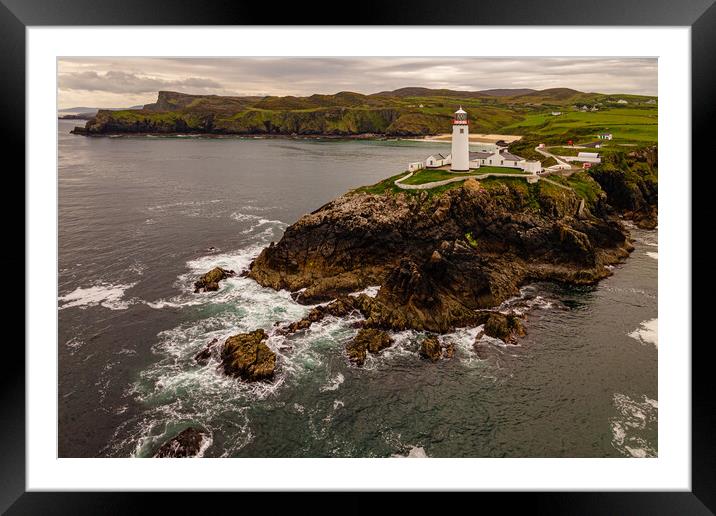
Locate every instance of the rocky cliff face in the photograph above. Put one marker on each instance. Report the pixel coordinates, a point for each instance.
(631, 184)
(440, 258)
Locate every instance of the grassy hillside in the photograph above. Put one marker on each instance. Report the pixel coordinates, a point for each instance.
(404, 112)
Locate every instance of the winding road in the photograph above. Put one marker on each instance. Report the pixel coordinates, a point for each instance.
(561, 165)
(427, 186)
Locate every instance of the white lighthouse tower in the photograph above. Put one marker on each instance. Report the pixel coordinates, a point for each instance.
(460, 142)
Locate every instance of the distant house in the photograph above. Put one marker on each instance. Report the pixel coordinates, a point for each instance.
(605, 136)
(594, 108)
(421, 105)
(436, 160)
(556, 113)
(622, 101)
(593, 145)
(651, 101)
(540, 146)
(589, 157)
(416, 165)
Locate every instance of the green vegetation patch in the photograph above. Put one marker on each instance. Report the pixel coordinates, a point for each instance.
(430, 175)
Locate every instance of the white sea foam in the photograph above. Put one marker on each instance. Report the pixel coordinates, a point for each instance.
(655, 256)
(634, 419)
(255, 221)
(647, 332)
(371, 291)
(102, 294)
(333, 384)
(74, 344)
(415, 452)
(525, 301)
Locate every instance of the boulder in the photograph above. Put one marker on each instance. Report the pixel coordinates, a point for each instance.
(203, 356)
(506, 327)
(367, 340)
(185, 444)
(248, 357)
(210, 281)
(337, 308)
(449, 350)
(430, 349)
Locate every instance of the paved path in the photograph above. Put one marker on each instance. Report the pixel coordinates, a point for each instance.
(561, 165)
(427, 186)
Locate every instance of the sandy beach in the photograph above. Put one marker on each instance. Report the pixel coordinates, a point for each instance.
(474, 138)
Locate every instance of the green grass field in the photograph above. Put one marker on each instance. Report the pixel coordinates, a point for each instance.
(638, 126)
(428, 175)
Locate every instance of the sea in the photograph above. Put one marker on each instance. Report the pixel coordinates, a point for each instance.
(140, 218)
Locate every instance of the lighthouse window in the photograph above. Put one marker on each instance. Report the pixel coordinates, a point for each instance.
(462, 131)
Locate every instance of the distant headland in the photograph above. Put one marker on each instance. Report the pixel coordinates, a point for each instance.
(406, 112)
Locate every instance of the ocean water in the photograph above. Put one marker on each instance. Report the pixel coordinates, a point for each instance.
(137, 219)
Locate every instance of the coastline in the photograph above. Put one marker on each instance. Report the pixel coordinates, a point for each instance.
(437, 138)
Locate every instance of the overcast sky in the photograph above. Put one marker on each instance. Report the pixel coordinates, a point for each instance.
(124, 82)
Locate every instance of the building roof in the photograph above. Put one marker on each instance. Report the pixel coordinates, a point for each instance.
(436, 156)
(592, 145)
(509, 156)
(588, 155)
(460, 110)
(480, 155)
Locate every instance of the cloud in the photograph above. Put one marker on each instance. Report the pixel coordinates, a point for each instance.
(127, 81)
(124, 82)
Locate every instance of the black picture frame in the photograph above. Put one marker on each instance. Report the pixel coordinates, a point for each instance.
(17, 15)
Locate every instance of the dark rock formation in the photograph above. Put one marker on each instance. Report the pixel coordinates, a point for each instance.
(367, 340)
(186, 444)
(247, 356)
(203, 356)
(210, 281)
(449, 350)
(631, 184)
(338, 308)
(440, 258)
(430, 349)
(506, 327)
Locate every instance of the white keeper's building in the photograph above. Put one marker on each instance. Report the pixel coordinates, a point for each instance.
(461, 159)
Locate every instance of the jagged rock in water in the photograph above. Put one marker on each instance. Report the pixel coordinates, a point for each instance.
(210, 281)
(367, 340)
(247, 356)
(449, 350)
(203, 356)
(338, 308)
(430, 349)
(506, 327)
(187, 443)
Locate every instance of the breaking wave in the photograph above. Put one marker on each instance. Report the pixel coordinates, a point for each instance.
(647, 332)
(635, 418)
(102, 294)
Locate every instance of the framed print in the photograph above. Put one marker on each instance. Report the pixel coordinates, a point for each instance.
(298, 255)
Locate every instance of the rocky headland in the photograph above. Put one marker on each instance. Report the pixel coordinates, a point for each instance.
(441, 259)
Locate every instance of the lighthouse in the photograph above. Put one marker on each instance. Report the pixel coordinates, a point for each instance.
(460, 142)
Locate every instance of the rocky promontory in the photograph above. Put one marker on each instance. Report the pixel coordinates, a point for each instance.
(442, 257)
